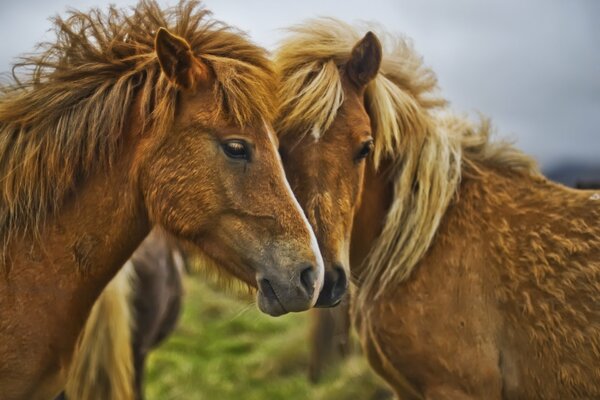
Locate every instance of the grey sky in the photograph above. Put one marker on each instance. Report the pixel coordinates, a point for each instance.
(533, 66)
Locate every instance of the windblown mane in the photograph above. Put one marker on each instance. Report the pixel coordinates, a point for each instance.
(428, 146)
(65, 118)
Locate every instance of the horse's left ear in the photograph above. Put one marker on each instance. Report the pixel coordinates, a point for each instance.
(178, 62)
(365, 60)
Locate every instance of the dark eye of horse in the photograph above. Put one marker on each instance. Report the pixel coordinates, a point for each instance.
(365, 150)
(237, 149)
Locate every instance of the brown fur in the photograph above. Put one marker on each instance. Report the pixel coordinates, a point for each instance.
(100, 143)
(478, 278)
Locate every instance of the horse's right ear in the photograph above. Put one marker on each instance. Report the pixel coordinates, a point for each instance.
(365, 60)
(178, 62)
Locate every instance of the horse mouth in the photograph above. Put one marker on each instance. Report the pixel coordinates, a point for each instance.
(268, 302)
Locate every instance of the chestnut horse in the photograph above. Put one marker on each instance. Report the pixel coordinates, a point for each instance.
(477, 277)
(121, 126)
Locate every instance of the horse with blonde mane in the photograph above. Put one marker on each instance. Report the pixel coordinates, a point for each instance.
(120, 126)
(477, 277)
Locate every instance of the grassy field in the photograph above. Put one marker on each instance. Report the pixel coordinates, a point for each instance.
(224, 348)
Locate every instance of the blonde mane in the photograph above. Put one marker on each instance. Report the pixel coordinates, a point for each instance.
(427, 149)
(66, 118)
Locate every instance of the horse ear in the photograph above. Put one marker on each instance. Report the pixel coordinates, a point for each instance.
(365, 60)
(177, 60)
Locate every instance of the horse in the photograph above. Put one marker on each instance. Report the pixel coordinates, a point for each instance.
(131, 119)
(136, 311)
(477, 278)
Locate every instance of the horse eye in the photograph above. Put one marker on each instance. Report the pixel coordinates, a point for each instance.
(237, 149)
(365, 150)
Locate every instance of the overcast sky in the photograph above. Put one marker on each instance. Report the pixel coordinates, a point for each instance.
(532, 66)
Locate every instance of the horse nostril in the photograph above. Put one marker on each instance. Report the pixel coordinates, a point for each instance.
(268, 291)
(334, 288)
(307, 278)
(340, 284)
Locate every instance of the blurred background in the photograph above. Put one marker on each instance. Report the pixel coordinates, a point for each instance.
(532, 66)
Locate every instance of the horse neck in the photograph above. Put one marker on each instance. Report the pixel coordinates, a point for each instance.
(376, 198)
(81, 248)
(104, 223)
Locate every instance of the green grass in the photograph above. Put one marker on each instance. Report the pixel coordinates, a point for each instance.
(224, 348)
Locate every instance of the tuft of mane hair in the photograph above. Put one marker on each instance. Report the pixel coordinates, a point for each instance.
(64, 117)
(427, 146)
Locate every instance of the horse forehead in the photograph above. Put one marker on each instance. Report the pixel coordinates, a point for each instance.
(346, 127)
(346, 135)
(356, 120)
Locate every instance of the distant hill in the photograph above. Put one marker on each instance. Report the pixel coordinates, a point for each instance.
(571, 173)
